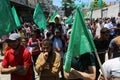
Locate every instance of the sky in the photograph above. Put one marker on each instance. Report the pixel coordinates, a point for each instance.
(58, 2)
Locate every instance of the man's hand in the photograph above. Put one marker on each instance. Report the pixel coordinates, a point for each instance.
(45, 55)
(22, 70)
(72, 70)
(18, 69)
(10, 69)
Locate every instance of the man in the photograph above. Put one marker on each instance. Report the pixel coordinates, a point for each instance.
(34, 43)
(17, 60)
(58, 25)
(82, 68)
(111, 25)
(98, 27)
(101, 49)
(114, 48)
(118, 24)
(48, 62)
(111, 69)
(59, 45)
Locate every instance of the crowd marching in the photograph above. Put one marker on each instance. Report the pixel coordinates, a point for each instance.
(29, 49)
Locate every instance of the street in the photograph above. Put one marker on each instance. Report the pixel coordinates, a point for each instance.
(5, 76)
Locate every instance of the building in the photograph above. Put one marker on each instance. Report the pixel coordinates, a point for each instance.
(24, 8)
(107, 12)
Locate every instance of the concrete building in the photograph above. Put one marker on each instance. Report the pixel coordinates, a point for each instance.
(24, 8)
(110, 11)
(47, 6)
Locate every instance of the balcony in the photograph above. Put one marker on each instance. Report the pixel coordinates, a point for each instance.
(29, 3)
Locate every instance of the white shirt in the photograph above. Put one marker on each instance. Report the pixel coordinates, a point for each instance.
(112, 68)
(97, 34)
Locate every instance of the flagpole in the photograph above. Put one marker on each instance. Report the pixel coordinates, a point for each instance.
(119, 5)
(101, 13)
(101, 67)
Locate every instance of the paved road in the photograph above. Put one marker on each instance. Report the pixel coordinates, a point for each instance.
(3, 77)
(7, 77)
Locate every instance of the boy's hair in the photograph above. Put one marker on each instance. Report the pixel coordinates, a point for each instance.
(104, 30)
(46, 42)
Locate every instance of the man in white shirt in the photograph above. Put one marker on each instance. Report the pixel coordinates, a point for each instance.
(112, 69)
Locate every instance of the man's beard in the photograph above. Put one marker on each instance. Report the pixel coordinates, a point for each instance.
(15, 48)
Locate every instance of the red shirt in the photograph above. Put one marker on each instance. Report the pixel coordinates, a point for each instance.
(22, 58)
(35, 45)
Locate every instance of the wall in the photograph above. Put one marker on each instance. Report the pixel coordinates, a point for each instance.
(111, 11)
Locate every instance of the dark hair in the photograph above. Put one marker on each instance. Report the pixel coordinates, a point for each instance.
(47, 42)
(56, 18)
(48, 34)
(26, 39)
(118, 13)
(104, 30)
(32, 33)
(20, 28)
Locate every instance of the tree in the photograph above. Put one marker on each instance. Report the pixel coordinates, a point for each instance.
(68, 6)
(95, 5)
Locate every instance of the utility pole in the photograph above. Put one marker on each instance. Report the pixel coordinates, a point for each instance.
(119, 5)
(65, 6)
(101, 13)
(118, 1)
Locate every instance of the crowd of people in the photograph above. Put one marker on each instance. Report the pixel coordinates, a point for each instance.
(29, 49)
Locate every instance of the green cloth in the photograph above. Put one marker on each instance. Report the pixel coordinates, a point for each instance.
(53, 16)
(39, 17)
(7, 23)
(83, 62)
(91, 13)
(16, 18)
(99, 3)
(69, 20)
(80, 42)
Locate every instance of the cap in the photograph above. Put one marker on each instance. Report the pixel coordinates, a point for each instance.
(14, 36)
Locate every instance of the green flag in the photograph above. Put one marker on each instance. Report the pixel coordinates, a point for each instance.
(90, 16)
(69, 20)
(53, 16)
(39, 17)
(7, 23)
(99, 3)
(81, 41)
(92, 6)
(16, 18)
(79, 5)
(91, 11)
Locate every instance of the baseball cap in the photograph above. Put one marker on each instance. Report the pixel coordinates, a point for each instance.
(13, 36)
